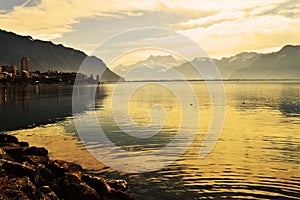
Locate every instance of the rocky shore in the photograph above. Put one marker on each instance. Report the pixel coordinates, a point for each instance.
(28, 173)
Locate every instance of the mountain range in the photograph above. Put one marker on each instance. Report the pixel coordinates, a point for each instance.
(44, 55)
(284, 64)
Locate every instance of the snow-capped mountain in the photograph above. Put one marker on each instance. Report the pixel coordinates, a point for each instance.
(284, 64)
(153, 68)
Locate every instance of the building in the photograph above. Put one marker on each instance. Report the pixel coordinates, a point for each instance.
(24, 64)
(3, 75)
(9, 69)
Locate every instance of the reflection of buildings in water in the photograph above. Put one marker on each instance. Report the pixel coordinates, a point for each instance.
(26, 98)
(8, 94)
(37, 89)
(100, 93)
(3, 98)
(85, 97)
(12, 94)
(59, 95)
(33, 104)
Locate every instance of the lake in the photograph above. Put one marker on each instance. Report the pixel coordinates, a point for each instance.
(256, 156)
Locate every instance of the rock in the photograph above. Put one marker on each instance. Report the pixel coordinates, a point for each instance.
(105, 191)
(98, 184)
(4, 138)
(48, 193)
(23, 144)
(17, 144)
(23, 169)
(71, 187)
(43, 176)
(119, 195)
(60, 167)
(9, 145)
(36, 159)
(118, 184)
(37, 151)
(4, 155)
(18, 169)
(18, 188)
(14, 152)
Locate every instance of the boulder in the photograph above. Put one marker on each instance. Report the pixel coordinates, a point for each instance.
(32, 159)
(43, 176)
(104, 190)
(37, 151)
(98, 184)
(18, 188)
(4, 138)
(48, 193)
(23, 169)
(14, 152)
(18, 169)
(71, 187)
(23, 144)
(9, 145)
(119, 195)
(4, 155)
(60, 167)
(118, 184)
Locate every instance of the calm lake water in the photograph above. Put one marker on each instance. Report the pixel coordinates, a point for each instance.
(257, 155)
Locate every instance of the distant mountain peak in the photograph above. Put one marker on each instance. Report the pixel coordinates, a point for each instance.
(289, 48)
(242, 56)
(201, 59)
(161, 58)
(167, 60)
(245, 65)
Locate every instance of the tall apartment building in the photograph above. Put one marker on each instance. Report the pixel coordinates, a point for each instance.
(25, 64)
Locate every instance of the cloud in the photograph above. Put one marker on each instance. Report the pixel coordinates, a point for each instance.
(246, 34)
(238, 28)
(8, 5)
(288, 8)
(222, 27)
(205, 22)
(53, 18)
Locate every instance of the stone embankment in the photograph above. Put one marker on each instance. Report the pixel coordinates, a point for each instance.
(28, 173)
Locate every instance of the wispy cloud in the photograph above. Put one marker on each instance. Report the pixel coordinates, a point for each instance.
(53, 18)
(222, 27)
(288, 8)
(247, 28)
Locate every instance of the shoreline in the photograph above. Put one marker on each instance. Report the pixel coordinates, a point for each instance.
(5, 84)
(28, 172)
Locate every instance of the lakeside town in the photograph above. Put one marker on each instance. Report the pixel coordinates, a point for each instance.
(10, 74)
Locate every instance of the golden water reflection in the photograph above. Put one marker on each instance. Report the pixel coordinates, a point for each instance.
(256, 157)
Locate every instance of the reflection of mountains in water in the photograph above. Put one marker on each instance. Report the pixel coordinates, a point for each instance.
(283, 97)
(290, 109)
(290, 102)
(27, 106)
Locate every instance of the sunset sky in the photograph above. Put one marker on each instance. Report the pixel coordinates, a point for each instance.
(221, 28)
